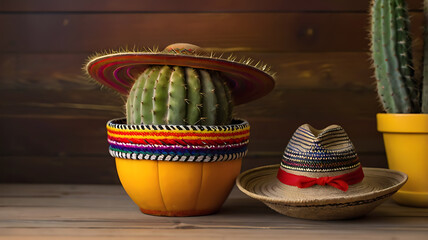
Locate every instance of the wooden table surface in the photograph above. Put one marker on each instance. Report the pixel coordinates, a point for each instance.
(106, 212)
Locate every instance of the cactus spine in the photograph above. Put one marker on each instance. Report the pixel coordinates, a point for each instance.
(179, 96)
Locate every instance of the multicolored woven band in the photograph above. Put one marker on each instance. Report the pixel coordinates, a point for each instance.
(329, 151)
(178, 142)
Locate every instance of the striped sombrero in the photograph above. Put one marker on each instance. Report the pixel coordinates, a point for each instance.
(118, 70)
(320, 177)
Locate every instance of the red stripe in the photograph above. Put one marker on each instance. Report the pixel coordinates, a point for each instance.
(193, 134)
(196, 142)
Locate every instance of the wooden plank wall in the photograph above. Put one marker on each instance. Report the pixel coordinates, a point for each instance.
(53, 119)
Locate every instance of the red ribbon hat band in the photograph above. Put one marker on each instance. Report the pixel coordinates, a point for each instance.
(341, 182)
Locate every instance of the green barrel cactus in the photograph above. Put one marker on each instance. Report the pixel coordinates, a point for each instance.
(179, 96)
(398, 89)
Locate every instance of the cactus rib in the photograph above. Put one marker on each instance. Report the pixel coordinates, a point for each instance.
(222, 101)
(176, 98)
(160, 97)
(383, 85)
(194, 96)
(209, 99)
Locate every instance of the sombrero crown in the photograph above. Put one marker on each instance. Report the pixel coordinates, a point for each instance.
(320, 157)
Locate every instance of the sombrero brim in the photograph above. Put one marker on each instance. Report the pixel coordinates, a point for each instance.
(119, 71)
(321, 202)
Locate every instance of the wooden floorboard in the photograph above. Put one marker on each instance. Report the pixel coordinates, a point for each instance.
(105, 212)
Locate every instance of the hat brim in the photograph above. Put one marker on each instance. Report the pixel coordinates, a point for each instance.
(119, 71)
(321, 202)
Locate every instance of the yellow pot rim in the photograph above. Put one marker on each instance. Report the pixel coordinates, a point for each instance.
(402, 123)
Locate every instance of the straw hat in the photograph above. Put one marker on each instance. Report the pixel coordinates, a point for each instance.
(118, 70)
(321, 178)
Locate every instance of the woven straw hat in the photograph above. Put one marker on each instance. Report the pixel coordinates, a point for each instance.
(118, 70)
(320, 178)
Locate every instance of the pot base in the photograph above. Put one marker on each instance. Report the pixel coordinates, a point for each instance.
(178, 213)
(413, 199)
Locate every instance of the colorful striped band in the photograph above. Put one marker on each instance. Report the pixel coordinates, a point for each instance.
(195, 142)
(170, 150)
(237, 132)
(178, 142)
(149, 147)
(177, 158)
(236, 125)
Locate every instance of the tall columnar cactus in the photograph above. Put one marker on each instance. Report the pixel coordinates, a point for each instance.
(398, 90)
(179, 96)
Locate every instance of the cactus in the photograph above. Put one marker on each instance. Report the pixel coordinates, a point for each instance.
(179, 96)
(398, 90)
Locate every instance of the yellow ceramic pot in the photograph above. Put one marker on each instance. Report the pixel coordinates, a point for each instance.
(177, 188)
(178, 170)
(406, 143)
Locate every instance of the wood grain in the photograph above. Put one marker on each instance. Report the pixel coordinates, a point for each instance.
(189, 6)
(80, 169)
(271, 32)
(105, 212)
(328, 70)
(82, 124)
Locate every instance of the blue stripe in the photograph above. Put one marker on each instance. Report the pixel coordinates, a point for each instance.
(295, 158)
(178, 151)
(316, 169)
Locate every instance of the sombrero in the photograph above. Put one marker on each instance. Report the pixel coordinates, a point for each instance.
(118, 70)
(321, 178)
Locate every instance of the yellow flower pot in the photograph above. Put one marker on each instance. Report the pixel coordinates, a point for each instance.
(177, 188)
(406, 144)
(178, 170)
